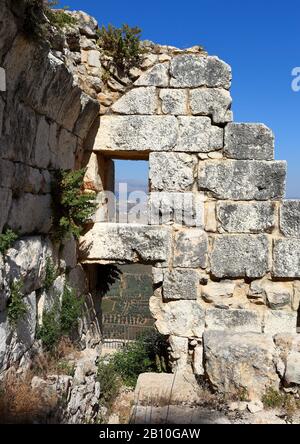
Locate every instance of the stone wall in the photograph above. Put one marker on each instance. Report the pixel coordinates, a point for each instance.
(45, 119)
(226, 283)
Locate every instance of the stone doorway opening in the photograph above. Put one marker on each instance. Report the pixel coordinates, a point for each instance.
(121, 294)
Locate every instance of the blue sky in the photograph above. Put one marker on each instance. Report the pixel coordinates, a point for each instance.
(259, 39)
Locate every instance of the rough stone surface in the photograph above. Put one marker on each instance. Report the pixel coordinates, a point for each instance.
(137, 101)
(278, 321)
(217, 291)
(126, 243)
(193, 71)
(254, 217)
(214, 102)
(180, 284)
(171, 171)
(196, 134)
(180, 318)
(243, 180)
(173, 101)
(292, 373)
(136, 133)
(276, 295)
(191, 248)
(249, 141)
(290, 218)
(181, 208)
(156, 76)
(240, 362)
(233, 320)
(286, 258)
(240, 256)
(31, 213)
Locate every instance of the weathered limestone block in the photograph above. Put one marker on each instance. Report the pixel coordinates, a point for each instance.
(249, 141)
(210, 218)
(180, 284)
(276, 295)
(240, 256)
(292, 373)
(5, 202)
(196, 134)
(171, 171)
(181, 208)
(190, 70)
(137, 101)
(88, 113)
(216, 291)
(179, 318)
(246, 217)
(31, 213)
(92, 177)
(279, 321)
(286, 258)
(30, 180)
(240, 362)
(63, 150)
(290, 218)
(243, 180)
(233, 320)
(179, 353)
(296, 296)
(41, 153)
(7, 173)
(191, 247)
(156, 76)
(69, 252)
(126, 243)
(173, 101)
(136, 133)
(211, 102)
(198, 366)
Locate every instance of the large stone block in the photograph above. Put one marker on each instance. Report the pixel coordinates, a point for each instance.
(197, 134)
(292, 373)
(172, 171)
(286, 258)
(137, 133)
(233, 320)
(189, 70)
(240, 362)
(31, 213)
(214, 102)
(126, 243)
(179, 318)
(156, 76)
(181, 208)
(243, 180)
(276, 295)
(5, 202)
(280, 321)
(173, 101)
(7, 173)
(137, 101)
(241, 217)
(290, 218)
(249, 141)
(180, 284)
(190, 249)
(240, 256)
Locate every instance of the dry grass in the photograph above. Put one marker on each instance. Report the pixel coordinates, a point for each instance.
(19, 403)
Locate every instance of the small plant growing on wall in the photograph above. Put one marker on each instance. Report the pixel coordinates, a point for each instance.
(16, 308)
(72, 206)
(7, 239)
(50, 274)
(122, 44)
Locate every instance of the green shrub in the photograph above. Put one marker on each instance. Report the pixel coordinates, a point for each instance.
(7, 239)
(50, 332)
(59, 18)
(50, 274)
(147, 354)
(110, 381)
(72, 207)
(71, 309)
(122, 44)
(273, 398)
(16, 308)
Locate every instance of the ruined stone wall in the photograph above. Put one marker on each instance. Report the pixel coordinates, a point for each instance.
(45, 118)
(226, 278)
